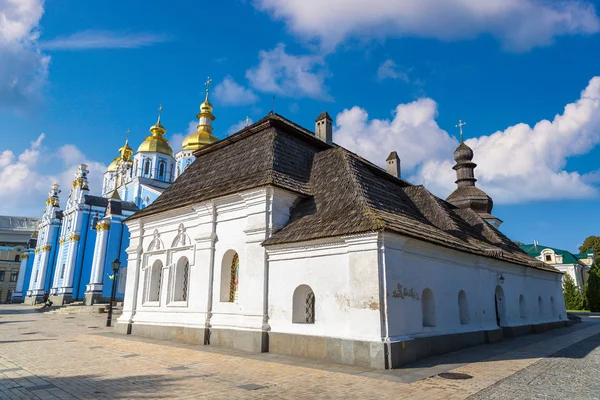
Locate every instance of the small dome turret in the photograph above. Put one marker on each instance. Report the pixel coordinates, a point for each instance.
(156, 143)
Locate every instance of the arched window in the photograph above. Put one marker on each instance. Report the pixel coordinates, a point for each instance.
(500, 306)
(62, 271)
(230, 275)
(428, 308)
(522, 307)
(303, 305)
(155, 281)
(552, 306)
(161, 169)
(18, 257)
(147, 167)
(540, 306)
(463, 308)
(182, 279)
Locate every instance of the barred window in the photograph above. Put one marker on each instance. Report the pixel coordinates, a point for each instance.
(303, 305)
(155, 281)
(181, 281)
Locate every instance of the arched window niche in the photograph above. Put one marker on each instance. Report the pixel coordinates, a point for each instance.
(230, 275)
(522, 308)
(181, 280)
(155, 281)
(552, 306)
(463, 308)
(303, 305)
(428, 308)
(540, 307)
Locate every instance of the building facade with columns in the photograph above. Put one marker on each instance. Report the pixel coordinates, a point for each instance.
(15, 242)
(77, 244)
(275, 239)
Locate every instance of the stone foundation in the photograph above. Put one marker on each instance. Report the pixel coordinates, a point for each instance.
(376, 355)
(91, 298)
(250, 341)
(342, 351)
(33, 300)
(60, 299)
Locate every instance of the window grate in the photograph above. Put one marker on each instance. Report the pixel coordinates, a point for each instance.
(186, 273)
(233, 282)
(310, 308)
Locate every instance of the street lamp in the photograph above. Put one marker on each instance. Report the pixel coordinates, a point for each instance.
(501, 279)
(115, 267)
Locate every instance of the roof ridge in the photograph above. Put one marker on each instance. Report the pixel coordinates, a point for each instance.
(376, 221)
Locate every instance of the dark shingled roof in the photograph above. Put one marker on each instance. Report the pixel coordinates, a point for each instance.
(325, 115)
(117, 206)
(341, 193)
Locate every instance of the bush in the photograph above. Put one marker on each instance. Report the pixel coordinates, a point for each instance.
(573, 299)
(594, 287)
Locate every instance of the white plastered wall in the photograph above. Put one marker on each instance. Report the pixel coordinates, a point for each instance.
(412, 265)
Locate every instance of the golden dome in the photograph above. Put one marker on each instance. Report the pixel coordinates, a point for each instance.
(113, 165)
(199, 139)
(156, 143)
(126, 151)
(203, 135)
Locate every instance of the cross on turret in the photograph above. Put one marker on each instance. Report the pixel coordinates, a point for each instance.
(459, 126)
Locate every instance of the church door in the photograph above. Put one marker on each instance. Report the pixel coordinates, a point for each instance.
(499, 304)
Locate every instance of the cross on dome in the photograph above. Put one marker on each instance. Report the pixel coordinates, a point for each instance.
(459, 126)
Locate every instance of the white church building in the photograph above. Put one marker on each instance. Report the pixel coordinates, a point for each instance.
(275, 239)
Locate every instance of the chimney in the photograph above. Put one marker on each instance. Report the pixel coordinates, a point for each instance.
(323, 127)
(393, 164)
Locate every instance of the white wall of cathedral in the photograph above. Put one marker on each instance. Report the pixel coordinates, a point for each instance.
(424, 284)
(342, 274)
(155, 166)
(214, 232)
(184, 159)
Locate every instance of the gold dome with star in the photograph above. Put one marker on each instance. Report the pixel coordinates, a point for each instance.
(203, 135)
(156, 143)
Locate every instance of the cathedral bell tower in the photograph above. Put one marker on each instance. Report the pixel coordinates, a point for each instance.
(467, 195)
(202, 137)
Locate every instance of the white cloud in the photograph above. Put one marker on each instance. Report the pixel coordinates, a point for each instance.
(92, 39)
(288, 75)
(176, 139)
(239, 126)
(24, 182)
(390, 70)
(520, 163)
(518, 24)
(228, 92)
(23, 68)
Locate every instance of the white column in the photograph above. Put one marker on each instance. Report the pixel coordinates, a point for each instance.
(134, 265)
(38, 288)
(21, 279)
(56, 281)
(95, 284)
(67, 283)
(34, 272)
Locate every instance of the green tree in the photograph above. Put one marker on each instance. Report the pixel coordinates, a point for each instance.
(586, 303)
(594, 287)
(591, 243)
(573, 299)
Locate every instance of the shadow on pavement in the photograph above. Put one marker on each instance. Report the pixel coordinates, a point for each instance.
(92, 386)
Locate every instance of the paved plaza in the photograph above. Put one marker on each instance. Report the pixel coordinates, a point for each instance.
(71, 355)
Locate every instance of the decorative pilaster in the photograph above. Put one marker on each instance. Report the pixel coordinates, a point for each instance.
(18, 294)
(93, 291)
(132, 284)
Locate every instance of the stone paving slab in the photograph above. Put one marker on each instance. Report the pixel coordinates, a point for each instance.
(82, 363)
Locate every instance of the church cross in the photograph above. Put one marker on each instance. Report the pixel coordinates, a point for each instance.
(207, 83)
(127, 134)
(459, 126)
(159, 110)
(247, 121)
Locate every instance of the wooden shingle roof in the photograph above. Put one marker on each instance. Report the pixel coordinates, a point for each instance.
(341, 193)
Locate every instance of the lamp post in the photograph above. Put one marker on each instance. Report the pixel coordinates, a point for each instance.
(115, 267)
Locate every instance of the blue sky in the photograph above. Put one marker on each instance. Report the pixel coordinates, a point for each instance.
(397, 76)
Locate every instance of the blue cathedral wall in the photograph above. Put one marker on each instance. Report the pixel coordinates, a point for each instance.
(118, 241)
(28, 270)
(85, 256)
(50, 270)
